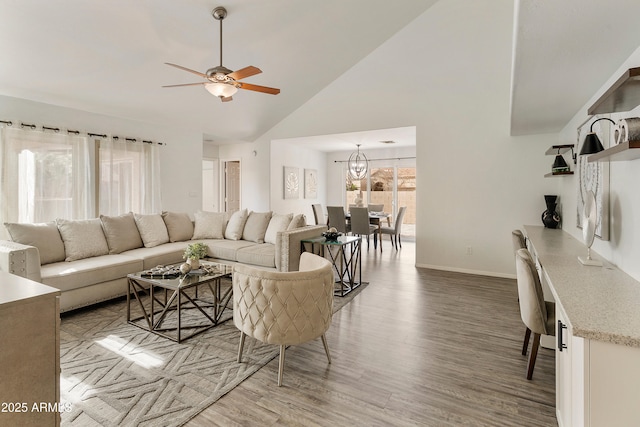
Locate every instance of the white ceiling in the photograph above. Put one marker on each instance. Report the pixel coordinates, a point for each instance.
(564, 51)
(108, 57)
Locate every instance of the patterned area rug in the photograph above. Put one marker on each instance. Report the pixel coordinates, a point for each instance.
(116, 374)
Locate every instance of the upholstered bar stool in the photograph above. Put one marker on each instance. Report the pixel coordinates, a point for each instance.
(538, 315)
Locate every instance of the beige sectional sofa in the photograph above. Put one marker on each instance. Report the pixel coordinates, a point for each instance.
(88, 260)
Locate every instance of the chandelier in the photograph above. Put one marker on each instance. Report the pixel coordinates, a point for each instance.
(358, 165)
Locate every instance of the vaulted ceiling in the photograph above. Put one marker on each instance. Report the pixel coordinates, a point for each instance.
(108, 57)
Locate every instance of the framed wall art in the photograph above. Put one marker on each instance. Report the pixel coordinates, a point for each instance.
(291, 183)
(310, 184)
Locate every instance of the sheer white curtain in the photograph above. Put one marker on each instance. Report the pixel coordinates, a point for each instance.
(44, 176)
(129, 177)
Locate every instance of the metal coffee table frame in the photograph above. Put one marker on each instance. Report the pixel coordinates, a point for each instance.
(176, 300)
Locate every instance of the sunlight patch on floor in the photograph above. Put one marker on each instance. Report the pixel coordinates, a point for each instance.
(131, 352)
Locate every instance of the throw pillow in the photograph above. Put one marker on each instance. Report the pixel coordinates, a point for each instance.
(277, 223)
(236, 225)
(152, 229)
(209, 225)
(179, 226)
(82, 238)
(44, 236)
(256, 226)
(121, 233)
(298, 221)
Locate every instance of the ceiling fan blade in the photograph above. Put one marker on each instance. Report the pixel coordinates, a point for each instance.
(257, 88)
(226, 99)
(188, 84)
(245, 72)
(197, 73)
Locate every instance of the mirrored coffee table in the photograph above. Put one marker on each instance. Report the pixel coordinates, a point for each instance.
(175, 306)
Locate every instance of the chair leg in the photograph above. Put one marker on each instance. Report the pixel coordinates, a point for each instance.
(326, 347)
(281, 364)
(525, 345)
(533, 355)
(399, 241)
(241, 347)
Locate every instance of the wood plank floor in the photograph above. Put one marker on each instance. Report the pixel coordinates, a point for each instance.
(416, 347)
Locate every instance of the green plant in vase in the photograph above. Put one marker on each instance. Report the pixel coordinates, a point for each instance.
(194, 253)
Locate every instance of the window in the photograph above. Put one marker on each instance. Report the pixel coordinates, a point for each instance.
(46, 175)
(129, 177)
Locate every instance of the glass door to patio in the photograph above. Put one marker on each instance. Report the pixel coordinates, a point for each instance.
(391, 187)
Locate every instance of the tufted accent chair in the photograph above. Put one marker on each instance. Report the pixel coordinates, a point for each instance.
(284, 308)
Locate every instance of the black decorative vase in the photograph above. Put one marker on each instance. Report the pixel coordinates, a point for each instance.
(550, 218)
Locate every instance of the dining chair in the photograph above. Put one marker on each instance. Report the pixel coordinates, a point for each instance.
(538, 315)
(519, 242)
(394, 232)
(361, 226)
(376, 208)
(379, 208)
(318, 214)
(337, 219)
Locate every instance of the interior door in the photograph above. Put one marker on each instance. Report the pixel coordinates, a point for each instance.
(231, 186)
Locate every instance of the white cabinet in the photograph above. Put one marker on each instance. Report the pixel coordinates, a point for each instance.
(570, 374)
(597, 337)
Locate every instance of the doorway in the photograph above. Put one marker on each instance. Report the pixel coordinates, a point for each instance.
(389, 186)
(210, 185)
(231, 185)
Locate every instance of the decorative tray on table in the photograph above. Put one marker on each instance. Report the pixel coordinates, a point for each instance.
(162, 272)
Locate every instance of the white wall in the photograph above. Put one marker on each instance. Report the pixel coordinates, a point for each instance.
(622, 249)
(255, 175)
(292, 152)
(449, 72)
(181, 158)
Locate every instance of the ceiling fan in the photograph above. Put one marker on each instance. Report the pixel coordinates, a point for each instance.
(221, 81)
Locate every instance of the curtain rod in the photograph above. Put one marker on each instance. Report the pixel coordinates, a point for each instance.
(373, 160)
(77, 132)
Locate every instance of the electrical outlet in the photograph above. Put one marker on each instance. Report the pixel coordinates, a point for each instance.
(469, 250)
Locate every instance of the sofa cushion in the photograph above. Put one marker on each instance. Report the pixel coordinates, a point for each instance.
(152, 229)
(209, 225)
(179, 226)
(168, 253)
(256, 226)
(263, 255)
(121, 233)
(82, 238)
(44, 236)
(89, 271)
(236, 225)
(276, 224)
(298, 221)
(226, 249)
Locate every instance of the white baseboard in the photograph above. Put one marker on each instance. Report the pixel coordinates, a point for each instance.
(467, 271)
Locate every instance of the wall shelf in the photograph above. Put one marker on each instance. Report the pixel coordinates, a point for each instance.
(554, 150)
(623, 95)
(550, 174)
(625, 151)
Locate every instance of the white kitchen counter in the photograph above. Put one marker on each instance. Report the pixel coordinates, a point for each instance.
(601, 303)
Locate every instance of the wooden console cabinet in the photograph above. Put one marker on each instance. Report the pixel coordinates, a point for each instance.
(29, 352)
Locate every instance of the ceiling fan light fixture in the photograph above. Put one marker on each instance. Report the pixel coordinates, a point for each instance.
(222, 90)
